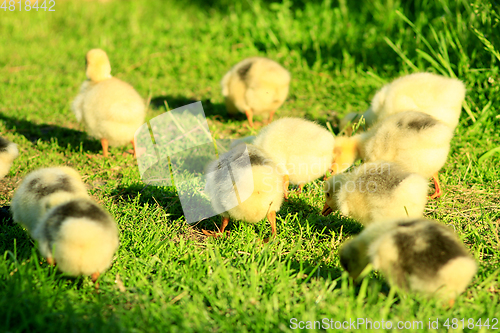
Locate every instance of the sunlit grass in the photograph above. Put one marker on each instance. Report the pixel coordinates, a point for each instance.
(166, 276)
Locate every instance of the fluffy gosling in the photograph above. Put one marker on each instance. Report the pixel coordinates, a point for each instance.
(255, 86)
(8, 153)
(302, 149)
(436, 95)
(43, 189)
(71, 230)
(110, 109)
(255, 192)
(415, 140)
(414, 254)
(376, 191)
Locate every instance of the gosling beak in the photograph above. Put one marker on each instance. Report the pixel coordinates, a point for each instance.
(326, 210)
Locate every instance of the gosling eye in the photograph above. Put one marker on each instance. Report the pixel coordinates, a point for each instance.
(327, 194)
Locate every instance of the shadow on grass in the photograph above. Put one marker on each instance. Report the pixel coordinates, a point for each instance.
(5, 216)
(311, 270)
(335, 223)
(296, 204)
(14, 240)
(65, 137)
(167, 199)
(164, 196)
(308, 214)
(26, 309)
(211, 110)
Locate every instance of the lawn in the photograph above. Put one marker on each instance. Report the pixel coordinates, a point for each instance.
(166, 275)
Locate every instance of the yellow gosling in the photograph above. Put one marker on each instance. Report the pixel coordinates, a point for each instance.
(255, 86)
(110, 109)
(376, 191)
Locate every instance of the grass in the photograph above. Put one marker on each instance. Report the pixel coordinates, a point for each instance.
(166, 276)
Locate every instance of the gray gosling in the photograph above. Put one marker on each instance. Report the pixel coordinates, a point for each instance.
(416, 255)
(257, 189)
(376, 191)
(72, 231)
(255, 86)
(415, 140)
(8, 153)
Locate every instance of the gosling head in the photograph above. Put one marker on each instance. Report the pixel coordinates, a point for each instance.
(353, 257)
(97, 64)
(331, 187)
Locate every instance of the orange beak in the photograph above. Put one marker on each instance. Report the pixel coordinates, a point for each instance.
(326, 210)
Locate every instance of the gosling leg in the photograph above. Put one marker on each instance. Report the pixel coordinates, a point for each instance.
(437, 192)
(95, 276)
(271, 216)
(224, 223)
(104, 144)
(249, 114)
(135, 149)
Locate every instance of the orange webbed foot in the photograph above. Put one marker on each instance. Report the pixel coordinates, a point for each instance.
(208, 233)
